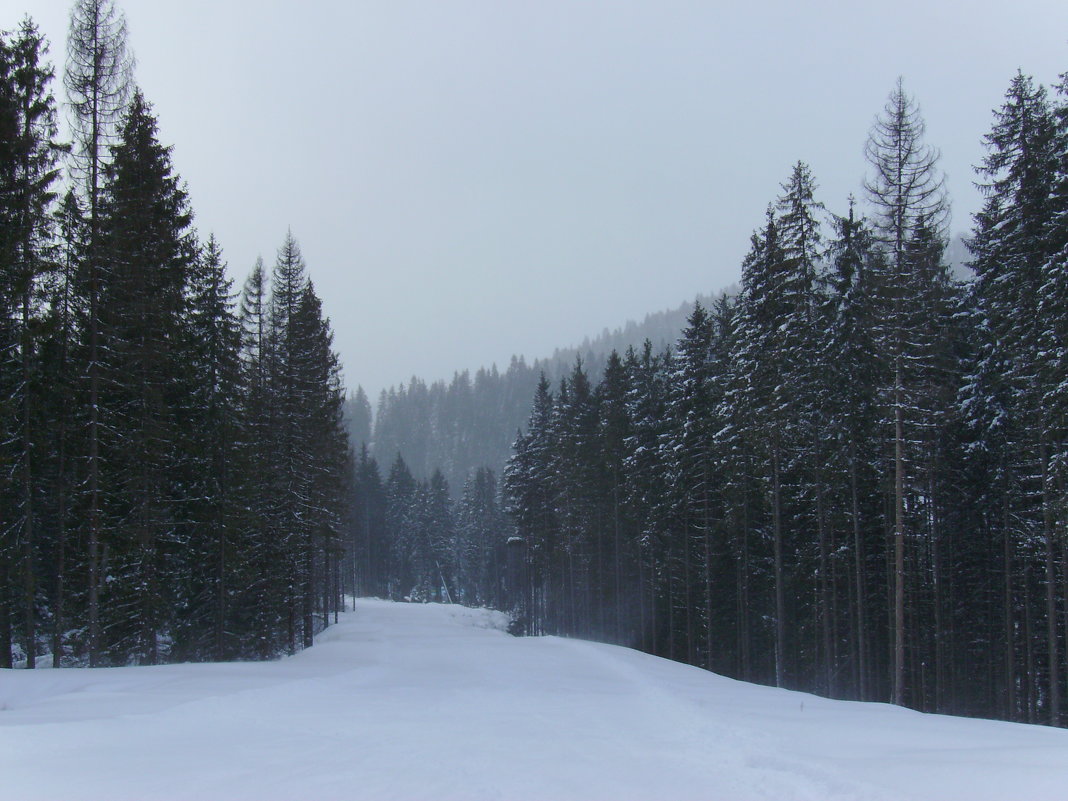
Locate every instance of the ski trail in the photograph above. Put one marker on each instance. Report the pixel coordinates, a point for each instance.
(405, 702)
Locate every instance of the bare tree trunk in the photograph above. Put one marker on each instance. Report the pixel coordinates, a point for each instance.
(899, 544)
(5, 610)
(308, 595)
(936, 581)
(1029, 640)
(780, 600)
(746, 632)
(858, 568)
(708, 578)
(825, 596)
(618, 567)
(220, 590)
(29, 587)
(1048, 534)
(1010, 637)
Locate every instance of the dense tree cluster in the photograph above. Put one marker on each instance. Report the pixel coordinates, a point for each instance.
(174, 469)
(453, 427)
(849, 477)
(471, 421)
(408, 540)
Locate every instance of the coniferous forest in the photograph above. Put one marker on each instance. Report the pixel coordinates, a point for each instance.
(849, 477)
(175, 466)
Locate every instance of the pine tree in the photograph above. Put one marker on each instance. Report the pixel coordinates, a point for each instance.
(687, 450)
(97, 81)
(322, 459)
(1053, 366)
(370, 547)
(27, 173)
(614, 431)
(401, 492)
(358, 416)
(210, 432)
(529, 493)
(851, 379)
(647, 491)
(766, 398)
(149, 249)
(257, 605)
(481, 537)
(60, 370)
(908, 195)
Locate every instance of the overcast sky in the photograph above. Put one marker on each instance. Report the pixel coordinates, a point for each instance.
(470, 179)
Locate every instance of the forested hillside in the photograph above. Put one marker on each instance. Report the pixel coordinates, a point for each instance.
(175, 465)
(470, 422)
(847, 478)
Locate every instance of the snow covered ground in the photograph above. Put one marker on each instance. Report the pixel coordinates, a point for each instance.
(435, 702)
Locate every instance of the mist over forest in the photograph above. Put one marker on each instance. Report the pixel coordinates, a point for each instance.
(844, 475)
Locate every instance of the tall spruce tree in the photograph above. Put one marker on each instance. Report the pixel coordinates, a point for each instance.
(907, 192)
(98, 85)
(210, 436)
(28, 170)
(66, 303)
(147, 243)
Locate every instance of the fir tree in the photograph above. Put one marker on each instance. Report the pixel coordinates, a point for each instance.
(907, 191)
(148, 246)
(28, 170)
(97, 81)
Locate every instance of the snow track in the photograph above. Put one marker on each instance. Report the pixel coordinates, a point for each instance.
(434, 702)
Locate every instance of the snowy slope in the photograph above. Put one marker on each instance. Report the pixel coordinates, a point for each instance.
(433, 702)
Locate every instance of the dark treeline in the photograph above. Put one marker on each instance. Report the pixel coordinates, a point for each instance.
(410, 541)
(174, 465)
(850, 477)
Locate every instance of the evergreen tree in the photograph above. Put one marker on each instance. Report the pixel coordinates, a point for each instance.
(321, 478)
(148, 246)
(622, 556)
(211, 434)
(480, 542)
(907, 192)
(370, 544)
(527, 487)
(687, 451)
(400, 501)
(851, 407)
(258, 607)
(358, 416)
(97, 81)
(28, 169)
(66, 307)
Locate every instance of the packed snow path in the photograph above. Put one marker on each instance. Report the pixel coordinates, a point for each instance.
(434, 702)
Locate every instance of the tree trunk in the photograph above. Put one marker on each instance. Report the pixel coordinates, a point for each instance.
(1010, 637)
(29, 577)
(825, 596)
(899, 543)
(1048, 534)
(858, 568)
(780, 600)
(5, 610)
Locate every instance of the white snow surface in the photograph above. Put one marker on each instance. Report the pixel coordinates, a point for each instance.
(407, 701)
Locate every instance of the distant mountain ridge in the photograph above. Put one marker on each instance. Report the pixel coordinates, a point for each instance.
(471, 421)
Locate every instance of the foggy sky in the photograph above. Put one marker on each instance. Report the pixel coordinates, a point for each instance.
(470, 179)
